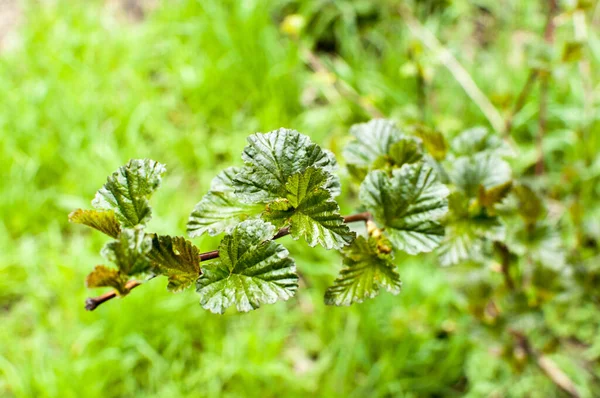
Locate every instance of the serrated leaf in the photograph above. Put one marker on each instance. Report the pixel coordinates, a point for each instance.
(176, 258)
(101, 220)
(479, 139)
(129, 251)
(251, 270)
(485, 169)
(367, 270)
(409, 204)
(272, 158)
(373, 139)
(434, 142)
(310, 211)
(220, 209)
(103, 276)
(407, 150)
(127, 190)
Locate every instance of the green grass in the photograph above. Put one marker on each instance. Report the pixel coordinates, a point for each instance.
(85, 91)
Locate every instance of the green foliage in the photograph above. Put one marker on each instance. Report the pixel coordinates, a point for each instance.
(368, 268)
(127, 190)
(408, 204)
(251, 270)
(101, 220)
(176, 258)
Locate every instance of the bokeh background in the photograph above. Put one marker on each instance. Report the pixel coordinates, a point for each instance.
(87, 85)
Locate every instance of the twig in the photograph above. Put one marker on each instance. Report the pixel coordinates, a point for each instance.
(93, 302)
(543, 114)
(505, 264)
(547, 365)
(458, 71)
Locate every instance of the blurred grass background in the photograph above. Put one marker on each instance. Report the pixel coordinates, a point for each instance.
(87, 85)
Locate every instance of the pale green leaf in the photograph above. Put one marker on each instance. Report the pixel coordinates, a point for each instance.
(220, 209)
(176, 258)
(272, 158)
(103, 276)
(127, 190)
(129, 251)
(408, 204)
(251, 270)
(310, 211)
(479, 139)
(367, 270)
(373, 139)
(485, 169)
(102, 220)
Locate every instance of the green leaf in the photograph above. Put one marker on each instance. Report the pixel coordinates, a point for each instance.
(485, 169)
(408, 204)
(490, 197)
(251, 270)
(434, 142)
(127, 190)
(103, 276)
(129, 251)
(103, 221)
(407, 150)
(176, 258)
(479, 139)
(310, 211)
(220, 209)
(373, 139)
(530, 207)
(367, 270)
(272, 158)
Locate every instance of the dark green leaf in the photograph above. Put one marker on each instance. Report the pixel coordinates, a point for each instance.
(102, 220)
(408, 205)
(367, 269)
(127, 190)
(251, 270)
(530, 207)
(129, 251)
(176, 258)
(272, 158)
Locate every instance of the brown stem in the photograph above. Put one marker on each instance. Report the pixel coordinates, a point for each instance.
(505, 264)
(93, 302)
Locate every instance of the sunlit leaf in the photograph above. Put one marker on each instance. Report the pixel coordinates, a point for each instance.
(127, 190)
(102, 220)
(220, 209)
(408, 204)
(310, 211)
(367, 270)
(251, 270)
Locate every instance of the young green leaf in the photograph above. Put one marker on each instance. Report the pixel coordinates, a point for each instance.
(485, 169)
(129, 251)
(220, 209)
(367, 269)
(310, 211)
(103, 276)
(433, 141)
(490, 197)
(102, 220)
(272, 158)
(251, 270)
(407, 150)
(127, 190)
(176, 258)
(530, 207)
(373, 139)
(408, 205)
